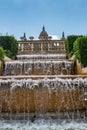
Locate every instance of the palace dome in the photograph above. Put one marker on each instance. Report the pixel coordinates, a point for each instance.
(43, 35)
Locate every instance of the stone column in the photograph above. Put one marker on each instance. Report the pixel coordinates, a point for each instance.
(27, 48)
(32, 47)
(41, 46)
(48, 46)
(19, 48)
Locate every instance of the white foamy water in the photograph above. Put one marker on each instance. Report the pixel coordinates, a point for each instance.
(38, 67)
(41, 56)
(42, 125)
(45, 82)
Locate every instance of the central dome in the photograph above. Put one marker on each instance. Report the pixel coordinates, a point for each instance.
(43, 35)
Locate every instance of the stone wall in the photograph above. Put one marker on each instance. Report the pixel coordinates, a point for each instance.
(80, 70)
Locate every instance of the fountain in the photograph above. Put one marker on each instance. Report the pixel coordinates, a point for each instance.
(38, 67)
(29, 94)
(44, 89)
(33, 86)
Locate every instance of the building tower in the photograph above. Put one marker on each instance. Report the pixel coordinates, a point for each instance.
(63, 36)
(43, 35)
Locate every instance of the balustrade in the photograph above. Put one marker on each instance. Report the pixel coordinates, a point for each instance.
(41, 46)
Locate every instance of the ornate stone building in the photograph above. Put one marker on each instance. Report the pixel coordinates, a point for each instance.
(45, 44)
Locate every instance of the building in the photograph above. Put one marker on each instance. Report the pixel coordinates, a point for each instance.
(45, 44)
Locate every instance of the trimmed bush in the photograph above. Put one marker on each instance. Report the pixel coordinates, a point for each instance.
(9, 44)
(80, 50)
(69, 44)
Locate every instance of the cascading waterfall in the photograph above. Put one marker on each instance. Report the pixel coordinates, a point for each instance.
(38, 67)
(41, 57)
(43, 91)
(66, 97)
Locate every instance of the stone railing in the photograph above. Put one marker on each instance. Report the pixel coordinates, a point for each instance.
(39, 46)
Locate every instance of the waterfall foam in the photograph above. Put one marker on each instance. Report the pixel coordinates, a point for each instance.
(42, 57)
(46, 82)
(42, 125)
(38, 67)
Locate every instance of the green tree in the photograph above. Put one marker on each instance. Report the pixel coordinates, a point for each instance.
(2, 53)
(80, 50)
(69, 44)
(9, 44)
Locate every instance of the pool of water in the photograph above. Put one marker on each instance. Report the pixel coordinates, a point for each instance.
(42, 124)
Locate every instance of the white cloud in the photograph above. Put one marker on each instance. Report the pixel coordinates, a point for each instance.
(54, 37)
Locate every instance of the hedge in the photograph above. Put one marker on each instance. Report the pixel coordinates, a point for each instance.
(9, 44)
(80, 50)
(69, 44)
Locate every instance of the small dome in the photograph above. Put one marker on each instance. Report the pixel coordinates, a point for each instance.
(43, 35)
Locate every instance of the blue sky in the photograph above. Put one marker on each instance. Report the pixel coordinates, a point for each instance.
(29, 16)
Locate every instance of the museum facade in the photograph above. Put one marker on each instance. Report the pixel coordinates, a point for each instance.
(45, 44)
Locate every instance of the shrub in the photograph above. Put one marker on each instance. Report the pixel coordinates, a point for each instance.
(2, 53)
(10, 44)
(80, 50)
(69, 44)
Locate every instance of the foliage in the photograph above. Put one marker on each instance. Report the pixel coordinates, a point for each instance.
(8, 53)
(69, 44)
(80, 50)
(2, 53)
(9, 44)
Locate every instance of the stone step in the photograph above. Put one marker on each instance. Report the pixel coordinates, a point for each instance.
(42, 76)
